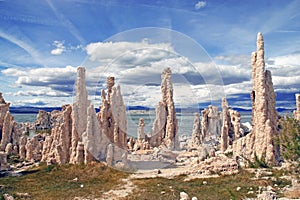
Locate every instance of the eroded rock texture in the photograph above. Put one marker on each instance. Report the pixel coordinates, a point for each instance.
(260, 142)
(211, 124)
(141, 143)
(231, 126)
(3, 161)
(9, 132)
(197, 137)
(42, 120)
(165, 126)
(76, 135)
(297, 111)
(57, 146)
(112, 115)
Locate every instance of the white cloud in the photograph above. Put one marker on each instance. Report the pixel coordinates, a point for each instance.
(200, 4)
(281, 81)
(59, 48)
(56, 78)
(42, 92)
(291, 59)
(137, 67)
(107, 51)
(30, 102)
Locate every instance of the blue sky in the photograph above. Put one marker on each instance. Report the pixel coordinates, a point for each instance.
(207, 44)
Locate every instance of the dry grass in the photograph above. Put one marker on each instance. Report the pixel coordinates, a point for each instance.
(224, 187)
(56, 182)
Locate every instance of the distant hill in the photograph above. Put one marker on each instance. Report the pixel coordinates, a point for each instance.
(31, 110)
(34, 110)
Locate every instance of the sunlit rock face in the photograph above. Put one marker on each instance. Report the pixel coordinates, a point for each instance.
(196, 134)
(9, 131)
(260, 142)
(297, 111)
(165, 126)
(76, 134)
(57, 146)
(211, 124)
(43, 120)
(112, 115)
(231, 126)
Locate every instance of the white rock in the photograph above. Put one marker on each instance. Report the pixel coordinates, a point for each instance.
(184, 196)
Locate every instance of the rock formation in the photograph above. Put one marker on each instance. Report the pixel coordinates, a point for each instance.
(57, 146)
(231, 126)
(197, 135)
(211, 124)
(165, 126)
(112, 115)
(4, 107)
(79, 114)
(77, 135)
(42, 120)
(34, 147)
(141, 143)
(3, 161)
(297, 111)
(260, 142)
(9, 133)
(141, 132)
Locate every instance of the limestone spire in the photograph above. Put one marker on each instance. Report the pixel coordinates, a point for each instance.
(165, 125)
(260, 142)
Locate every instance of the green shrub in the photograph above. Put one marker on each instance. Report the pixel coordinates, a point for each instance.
(289, 138)
(258, 162)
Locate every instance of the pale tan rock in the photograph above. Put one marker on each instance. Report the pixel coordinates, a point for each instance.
(118, 109)
(165, 126)
(231, 126)
(297, 111)
(4, 107)
(8, 197)
(110, 155)
(42, 120)
(184, 196)
(112, 115)
(211, 124)
(3, 161)
(34, 147)
(159, 124)
(9, 148)
(80, 153)
(79, 115)
(141, 132)
(141, 143)
(260, 141)
(22, 147)
(225, 126)
(57, 146)
(196, 135)
(96, 142)
(219, 164)
(7, 130)
(110, 82)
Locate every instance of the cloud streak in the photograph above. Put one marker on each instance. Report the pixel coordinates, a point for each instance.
(59, 48)
(200, 4)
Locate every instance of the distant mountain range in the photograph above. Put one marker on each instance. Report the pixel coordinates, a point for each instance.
(34, 110)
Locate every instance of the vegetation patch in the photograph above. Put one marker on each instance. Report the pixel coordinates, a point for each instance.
(289, 138)
(224, 187)
(63, 182)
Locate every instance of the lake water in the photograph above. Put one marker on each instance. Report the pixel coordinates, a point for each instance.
(185, 121)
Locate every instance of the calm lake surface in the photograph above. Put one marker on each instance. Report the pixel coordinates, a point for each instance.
(185, 121)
